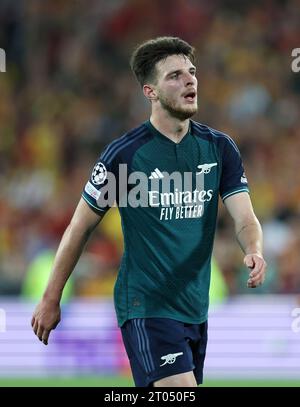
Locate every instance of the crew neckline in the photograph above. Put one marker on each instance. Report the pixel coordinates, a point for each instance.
(166, 139)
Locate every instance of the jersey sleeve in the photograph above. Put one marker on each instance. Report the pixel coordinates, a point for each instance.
(233, 178)
(100, 191)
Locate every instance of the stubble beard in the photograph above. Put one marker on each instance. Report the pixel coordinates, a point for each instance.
(176, 111)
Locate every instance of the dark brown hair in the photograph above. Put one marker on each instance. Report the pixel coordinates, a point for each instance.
(146, 55)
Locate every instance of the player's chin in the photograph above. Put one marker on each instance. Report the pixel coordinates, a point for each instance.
(189, 111)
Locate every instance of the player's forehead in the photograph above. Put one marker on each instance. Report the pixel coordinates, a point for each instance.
(173, 63)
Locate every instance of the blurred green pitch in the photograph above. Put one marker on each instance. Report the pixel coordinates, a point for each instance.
(125, 381)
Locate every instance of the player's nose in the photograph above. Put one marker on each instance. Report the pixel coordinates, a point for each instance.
(190, 80)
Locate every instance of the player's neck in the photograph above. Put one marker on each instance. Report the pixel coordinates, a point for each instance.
(170, 127)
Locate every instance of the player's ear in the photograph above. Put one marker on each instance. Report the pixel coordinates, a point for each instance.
(149, 92)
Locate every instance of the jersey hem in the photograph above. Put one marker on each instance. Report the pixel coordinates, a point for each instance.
(236, 191)
(182, 319)
(93, 207)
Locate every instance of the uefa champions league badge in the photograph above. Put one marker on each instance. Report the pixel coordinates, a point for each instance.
(99, 174)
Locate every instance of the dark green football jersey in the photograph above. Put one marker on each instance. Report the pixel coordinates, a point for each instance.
(168, 233)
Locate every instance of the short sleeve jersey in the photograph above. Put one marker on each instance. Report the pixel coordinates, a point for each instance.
(168, 231)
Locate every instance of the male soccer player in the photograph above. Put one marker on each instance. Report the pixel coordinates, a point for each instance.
(161, 293)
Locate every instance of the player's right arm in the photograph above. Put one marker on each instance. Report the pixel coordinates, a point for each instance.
(47, 313)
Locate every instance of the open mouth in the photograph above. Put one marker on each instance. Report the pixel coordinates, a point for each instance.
(190, 96)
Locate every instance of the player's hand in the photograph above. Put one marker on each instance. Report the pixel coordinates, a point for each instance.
(257, 265)
(45, 318)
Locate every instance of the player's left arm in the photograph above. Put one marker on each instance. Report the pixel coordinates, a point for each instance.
(249, 235)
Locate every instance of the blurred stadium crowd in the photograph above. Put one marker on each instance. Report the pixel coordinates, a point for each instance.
(68, 91)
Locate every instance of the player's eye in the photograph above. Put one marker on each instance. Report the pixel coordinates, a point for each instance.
(174, 75)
